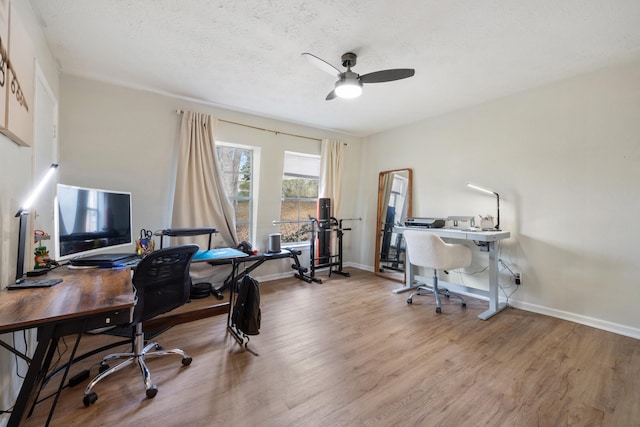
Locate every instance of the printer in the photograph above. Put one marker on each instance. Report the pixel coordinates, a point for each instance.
(424, 222)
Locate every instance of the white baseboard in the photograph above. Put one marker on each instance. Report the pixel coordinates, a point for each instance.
(475, 293)
(578, 318)
(269, 277)
(560, 314)
(359, 266)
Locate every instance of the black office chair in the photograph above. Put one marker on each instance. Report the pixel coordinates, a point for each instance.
(162, 283)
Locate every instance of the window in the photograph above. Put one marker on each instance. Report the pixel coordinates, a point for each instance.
(236, 163)
(397, 197)
(299, 195)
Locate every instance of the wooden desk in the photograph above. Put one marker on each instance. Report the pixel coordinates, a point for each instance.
(86, 299)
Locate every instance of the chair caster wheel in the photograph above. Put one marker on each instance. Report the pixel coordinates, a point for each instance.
(438, 310)
(89, 399)
(152, 391)
(103, 368)
(187, 361)
(409, 301)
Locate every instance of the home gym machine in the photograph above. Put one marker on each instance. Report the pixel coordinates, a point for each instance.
(320, 236)
(323, 258)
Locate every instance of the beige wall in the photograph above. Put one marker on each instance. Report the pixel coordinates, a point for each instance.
(15, 161)
(123, 139)
(15, 184)
(565, 159)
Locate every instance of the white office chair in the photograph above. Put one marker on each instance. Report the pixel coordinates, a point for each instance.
(425, 249)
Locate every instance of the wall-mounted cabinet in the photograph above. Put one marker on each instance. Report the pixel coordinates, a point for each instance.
(16, 77)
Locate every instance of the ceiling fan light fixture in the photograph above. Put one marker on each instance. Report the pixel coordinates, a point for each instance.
(349, 84)
(348, 89)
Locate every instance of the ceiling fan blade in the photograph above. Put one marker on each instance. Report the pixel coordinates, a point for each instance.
(322, 64)
(331, 95)
(387, 75)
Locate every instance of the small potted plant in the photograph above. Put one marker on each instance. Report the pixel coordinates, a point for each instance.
(41, 253)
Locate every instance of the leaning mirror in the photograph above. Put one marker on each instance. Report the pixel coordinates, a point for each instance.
(394, 205)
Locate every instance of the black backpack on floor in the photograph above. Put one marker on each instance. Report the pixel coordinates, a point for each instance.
(246, 311)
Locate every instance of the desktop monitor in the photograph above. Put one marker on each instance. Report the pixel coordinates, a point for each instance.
(90, 220)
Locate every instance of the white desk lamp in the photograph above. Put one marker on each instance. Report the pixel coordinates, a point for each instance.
(22, 213)
(484, 190)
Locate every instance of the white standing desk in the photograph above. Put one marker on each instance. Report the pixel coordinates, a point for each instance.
(490, 237)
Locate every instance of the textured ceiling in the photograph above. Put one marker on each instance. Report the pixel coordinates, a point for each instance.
(245, 55)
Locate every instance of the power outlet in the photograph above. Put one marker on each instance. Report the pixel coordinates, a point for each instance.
(517, 277)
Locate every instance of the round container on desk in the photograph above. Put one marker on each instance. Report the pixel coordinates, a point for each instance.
(274, 242)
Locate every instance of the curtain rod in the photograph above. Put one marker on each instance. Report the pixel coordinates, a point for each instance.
(277, 132)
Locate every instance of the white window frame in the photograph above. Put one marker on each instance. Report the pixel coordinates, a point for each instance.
(253, 187)
(299, 167)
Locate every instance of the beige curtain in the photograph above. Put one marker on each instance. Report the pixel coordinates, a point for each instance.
(200, 197)
(330, 185)
(331, 166)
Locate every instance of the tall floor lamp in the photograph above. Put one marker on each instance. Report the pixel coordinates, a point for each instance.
(484, 190)
(22, 213)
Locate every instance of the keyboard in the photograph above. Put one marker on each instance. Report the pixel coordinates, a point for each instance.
(133, 262)
(30, 284)
(105, 260)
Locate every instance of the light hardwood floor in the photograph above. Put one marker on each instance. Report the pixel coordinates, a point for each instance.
(349, 352)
